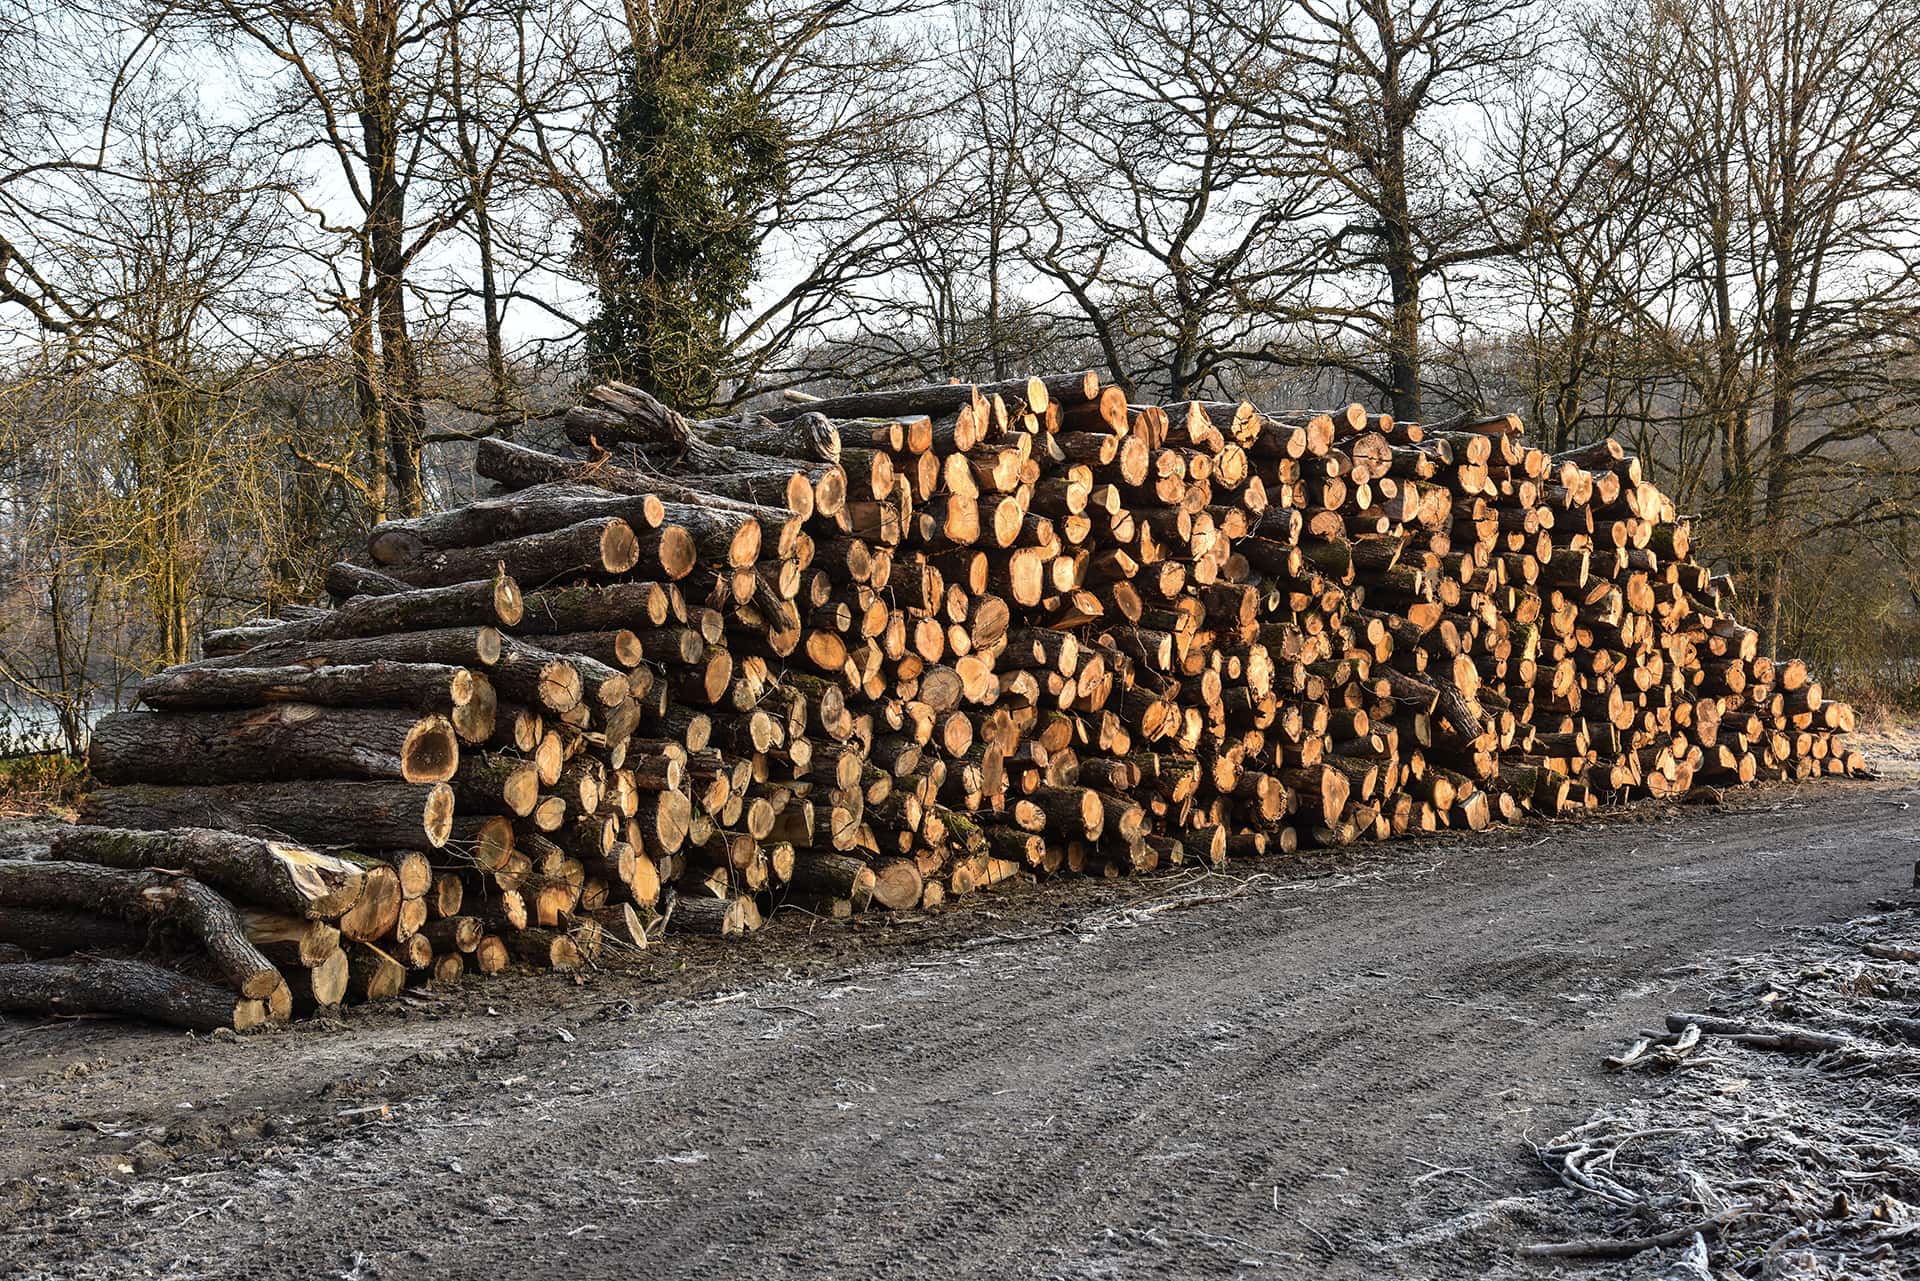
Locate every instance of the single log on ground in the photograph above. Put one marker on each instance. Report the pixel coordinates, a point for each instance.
(491, 955)
(547, 948)
(278, 741)
(322, 984)
(135, 989)
(718, 917)
(372, 975)
(833, 876)
(271, 874)
(455, 933)
(320, 811)
(897, 884)
(145, 895)
(622, 925)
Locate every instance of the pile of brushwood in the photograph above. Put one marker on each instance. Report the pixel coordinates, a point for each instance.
(876, 651)
(1777, 1138)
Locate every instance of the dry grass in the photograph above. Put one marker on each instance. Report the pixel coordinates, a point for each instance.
(41, 785)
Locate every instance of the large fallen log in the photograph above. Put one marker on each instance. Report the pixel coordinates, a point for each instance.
(599, 547)
(135, 989)
(521, 466)
(324, 811)
(277, 741)
(445, 646)
(484, 602)
(58, 931)
(270, 874)
(426, 687)
(145, 895)
(538, 510)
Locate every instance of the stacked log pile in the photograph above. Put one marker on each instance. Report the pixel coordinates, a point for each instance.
(883, 649)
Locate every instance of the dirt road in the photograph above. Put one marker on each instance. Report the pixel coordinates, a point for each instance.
(1305, 1073)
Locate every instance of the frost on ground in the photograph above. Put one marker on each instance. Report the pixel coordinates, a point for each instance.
(1776, 1137)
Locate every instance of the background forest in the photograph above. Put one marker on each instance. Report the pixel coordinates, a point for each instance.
(268, 267)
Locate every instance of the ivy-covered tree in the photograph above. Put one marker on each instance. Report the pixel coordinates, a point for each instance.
(693, 151)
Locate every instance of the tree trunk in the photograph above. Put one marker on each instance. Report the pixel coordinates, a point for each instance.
(136, 989)
(486, 602)
(601, 547)
(425, 687)
(449, 646)
(538, 510)
(279, 741)
(146, 895)
(271, 874)
(321, 811)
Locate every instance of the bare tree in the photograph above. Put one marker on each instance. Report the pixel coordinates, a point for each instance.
(1150, 168)
(362, 89)
(1784, 138)
(143, 494)
(1381, 120)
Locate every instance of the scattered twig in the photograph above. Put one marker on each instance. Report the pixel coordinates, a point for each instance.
(1616, 1248)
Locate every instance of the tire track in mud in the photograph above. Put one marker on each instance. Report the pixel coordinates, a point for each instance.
(1273, 1083)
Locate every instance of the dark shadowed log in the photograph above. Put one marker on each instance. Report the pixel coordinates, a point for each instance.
(323, 811)
(548, 949)
(345, 580)
(455, 933)
(596, 607)
(271, 874)
(136, 989)
(833, 875)
(717, 917)
(146, 895)
(55, 932)
(278, 741)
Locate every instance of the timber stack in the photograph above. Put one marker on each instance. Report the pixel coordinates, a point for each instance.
(882, 649)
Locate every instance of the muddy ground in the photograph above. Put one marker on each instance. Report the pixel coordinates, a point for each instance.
(1315, 1069)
